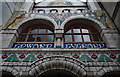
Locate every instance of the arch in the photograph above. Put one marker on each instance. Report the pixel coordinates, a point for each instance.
(41, 10)
(54, 10)
(79, 10)
(35, 20)
(105, 70)
(68, 10)
(112, 74)
(12, 70)
(58, 63)
(89, 20)
(57, 73)
(38, 10)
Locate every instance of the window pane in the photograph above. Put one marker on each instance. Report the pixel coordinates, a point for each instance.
(22, 38)
(26, 30)
(68, 38)
(85, 29)
(76, 30)
(34, 29)
(40, 38)
(49, 31)
(86, 38)
(49, 38)
(42, 30)
(69, 31)
(93, 30)
(96, 37)
(31, 38)
(77, 38)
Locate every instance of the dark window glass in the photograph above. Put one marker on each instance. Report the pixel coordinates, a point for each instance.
(49, 38)
(78, 38)
(34, 29)
(26, 30)
(68, 38)
(31, 38)
(40, 38)
(96, 37)
(93, 30)
(22, 38)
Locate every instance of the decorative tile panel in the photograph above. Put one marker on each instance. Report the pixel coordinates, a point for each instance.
(100, 16)
(84, 57)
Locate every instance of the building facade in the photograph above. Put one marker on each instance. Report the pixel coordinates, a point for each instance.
(59, 38)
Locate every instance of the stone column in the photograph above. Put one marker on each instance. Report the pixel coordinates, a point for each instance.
(93, 5)
(111, 38)
(8, 38)
(59, 38)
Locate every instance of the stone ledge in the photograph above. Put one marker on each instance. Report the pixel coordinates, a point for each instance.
(58, 50)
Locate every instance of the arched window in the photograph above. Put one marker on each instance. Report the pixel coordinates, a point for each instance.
(39, 33)
(81, 33)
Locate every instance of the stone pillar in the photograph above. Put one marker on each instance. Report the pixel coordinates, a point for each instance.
(93, 5)
(59, 38)
(58, 43)
(111, 38)
(27, 6)
(8, 38)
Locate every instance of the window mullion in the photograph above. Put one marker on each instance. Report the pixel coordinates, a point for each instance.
(18, 38)
(72, 34)
(64, 36)
(90, 33)
(36, 34)
(28, 34)
(45, 34)
(81, 34)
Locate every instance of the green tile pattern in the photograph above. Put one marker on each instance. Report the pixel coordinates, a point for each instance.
(60, 2)
(12, 58)
(82, 57)
(85, 58)
(30, 58)
(104, 58)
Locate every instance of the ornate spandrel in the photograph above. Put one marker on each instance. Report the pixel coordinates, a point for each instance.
(59, 18)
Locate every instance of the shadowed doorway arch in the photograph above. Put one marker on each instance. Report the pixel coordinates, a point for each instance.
(57, 66)
(112, 74)
(57, 73)
(7, 74)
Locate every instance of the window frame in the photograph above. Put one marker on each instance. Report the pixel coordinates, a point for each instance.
(89, 33)
(36, 34)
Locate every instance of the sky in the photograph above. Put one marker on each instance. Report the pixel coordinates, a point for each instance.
(42, 0)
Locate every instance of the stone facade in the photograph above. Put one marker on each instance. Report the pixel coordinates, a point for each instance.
(86, 61)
